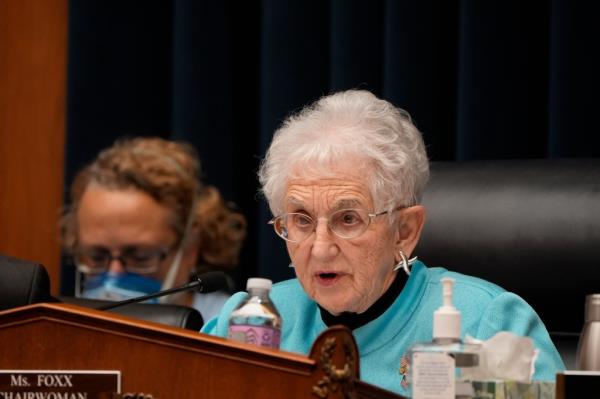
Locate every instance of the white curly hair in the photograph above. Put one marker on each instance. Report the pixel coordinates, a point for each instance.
(356, 126)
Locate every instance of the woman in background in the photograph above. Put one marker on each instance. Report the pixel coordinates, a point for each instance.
(140, 220)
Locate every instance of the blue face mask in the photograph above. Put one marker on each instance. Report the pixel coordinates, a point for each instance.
(118, 287)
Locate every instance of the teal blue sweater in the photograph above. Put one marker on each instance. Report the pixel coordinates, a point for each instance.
(485, 309)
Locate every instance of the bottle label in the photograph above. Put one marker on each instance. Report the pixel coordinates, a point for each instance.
(261, 336)
(433, 376)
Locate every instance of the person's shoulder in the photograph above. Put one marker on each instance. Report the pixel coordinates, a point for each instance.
(288, 289)
(464, 283)
(291, 300)
(218, 324)
(479, 299)
(291, 284)
(209, 305)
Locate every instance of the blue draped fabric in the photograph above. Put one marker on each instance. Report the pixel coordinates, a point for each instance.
(482, 80)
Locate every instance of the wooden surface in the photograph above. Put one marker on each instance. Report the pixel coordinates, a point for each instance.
(168, 362)
(33, 40)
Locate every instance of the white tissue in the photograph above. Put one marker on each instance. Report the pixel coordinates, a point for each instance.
(505, 356)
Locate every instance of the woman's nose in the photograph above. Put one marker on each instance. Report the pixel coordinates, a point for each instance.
(116, 266)
(324, 246)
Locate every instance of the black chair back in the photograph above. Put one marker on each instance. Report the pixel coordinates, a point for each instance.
(172, 315)
(22, 283)
(530, 226)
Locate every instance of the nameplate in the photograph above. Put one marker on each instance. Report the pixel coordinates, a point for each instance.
(58, 384)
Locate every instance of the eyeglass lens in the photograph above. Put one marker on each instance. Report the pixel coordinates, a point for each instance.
(345, 223)
(135, 260)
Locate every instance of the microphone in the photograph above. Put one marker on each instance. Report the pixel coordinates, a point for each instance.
(204, 283)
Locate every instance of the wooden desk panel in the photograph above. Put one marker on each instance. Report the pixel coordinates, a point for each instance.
(168, 362)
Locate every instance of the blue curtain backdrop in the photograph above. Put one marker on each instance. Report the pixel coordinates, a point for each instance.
(482, 80)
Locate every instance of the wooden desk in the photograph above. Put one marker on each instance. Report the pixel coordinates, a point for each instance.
(169, 362)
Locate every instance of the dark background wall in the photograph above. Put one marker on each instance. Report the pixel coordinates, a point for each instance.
(482, 80)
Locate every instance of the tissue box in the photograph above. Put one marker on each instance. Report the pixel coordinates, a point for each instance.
(513, 390)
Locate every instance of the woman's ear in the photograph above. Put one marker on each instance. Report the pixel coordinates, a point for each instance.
(410, 224)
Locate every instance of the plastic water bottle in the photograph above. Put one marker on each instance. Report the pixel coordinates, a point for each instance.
(256, 320)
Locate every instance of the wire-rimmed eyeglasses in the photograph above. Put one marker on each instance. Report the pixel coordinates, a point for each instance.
(344, 223)
(134, 260)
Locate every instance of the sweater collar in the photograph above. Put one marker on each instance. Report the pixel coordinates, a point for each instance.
(356, 320)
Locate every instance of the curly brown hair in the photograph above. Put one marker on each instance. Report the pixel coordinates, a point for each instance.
(169, 172)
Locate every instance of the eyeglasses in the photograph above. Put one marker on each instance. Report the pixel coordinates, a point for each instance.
(135, 260)
(345, 223)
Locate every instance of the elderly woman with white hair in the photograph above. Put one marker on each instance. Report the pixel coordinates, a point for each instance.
(344, 178)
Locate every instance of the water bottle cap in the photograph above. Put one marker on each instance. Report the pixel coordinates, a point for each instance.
(260, 283)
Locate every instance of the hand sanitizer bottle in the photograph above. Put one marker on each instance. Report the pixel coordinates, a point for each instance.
(436, 366)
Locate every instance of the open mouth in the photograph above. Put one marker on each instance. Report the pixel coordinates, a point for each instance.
(328, 278)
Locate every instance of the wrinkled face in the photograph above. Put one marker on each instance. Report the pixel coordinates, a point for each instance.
(116, 221)
(341, 275)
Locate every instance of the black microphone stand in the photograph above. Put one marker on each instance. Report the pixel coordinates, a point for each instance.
(194, 284)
